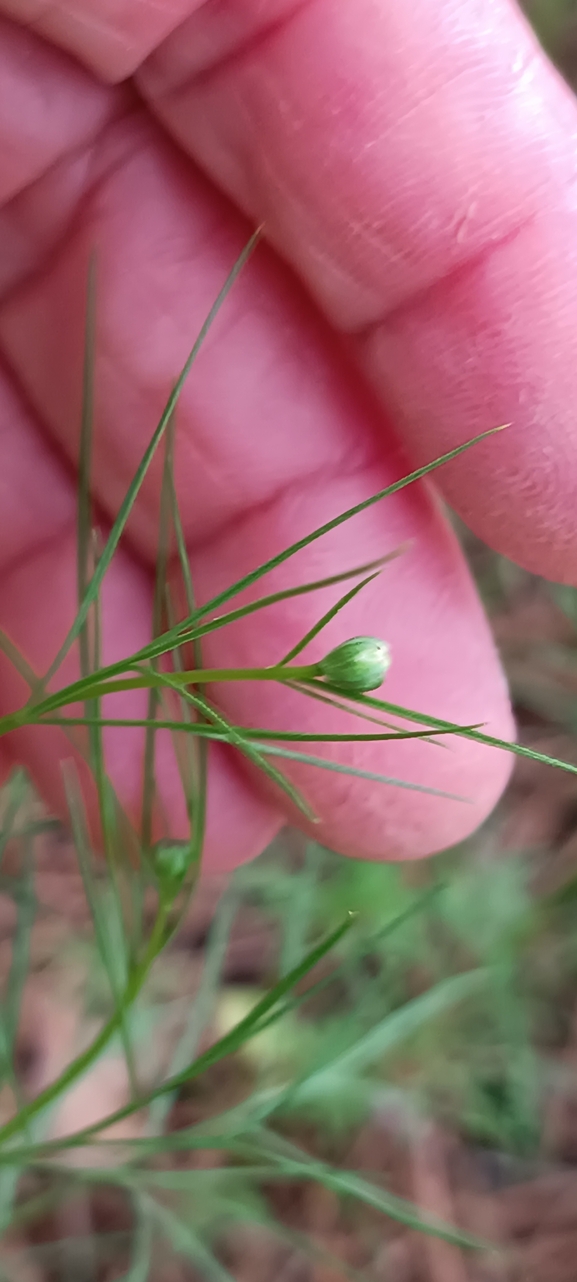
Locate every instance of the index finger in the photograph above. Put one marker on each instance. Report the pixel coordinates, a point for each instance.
(416, 165)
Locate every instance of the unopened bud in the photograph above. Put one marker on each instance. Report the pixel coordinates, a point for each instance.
(171, 863)
(357, 665)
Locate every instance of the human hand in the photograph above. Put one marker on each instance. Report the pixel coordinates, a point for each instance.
(415, 168)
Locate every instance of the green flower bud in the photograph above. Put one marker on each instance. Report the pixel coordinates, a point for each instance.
(357, 665)
(171, 863)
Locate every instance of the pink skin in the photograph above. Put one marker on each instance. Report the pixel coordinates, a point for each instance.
(415, 172)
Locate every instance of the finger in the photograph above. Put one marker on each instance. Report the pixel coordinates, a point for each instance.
(275, 434)
(37, 606)
(426, 608)
(165, 243)
(416, 164)
(110, 36)
(51, 113)
(49, 107)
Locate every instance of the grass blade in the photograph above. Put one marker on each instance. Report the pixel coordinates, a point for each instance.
(204, 1002)
(291, 551)
(237, 739)
(324, 764)
(160, 580)
(342, 706)
(142, 1243)
(226, 1045)
(87, 556)
(20, 663)
(193, 764)
(201, 730)
(138, 479)
(109, 941)
(326, 618)
(84, 496)
(467, 732)
(394, 1029)
(26, 906)
(184, 1241)
(16, 790)
(188, 630)
(293, 1163)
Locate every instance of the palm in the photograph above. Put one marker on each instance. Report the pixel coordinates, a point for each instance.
(427, 252)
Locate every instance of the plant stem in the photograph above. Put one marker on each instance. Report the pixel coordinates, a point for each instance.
(83, 1061)
(95, 687)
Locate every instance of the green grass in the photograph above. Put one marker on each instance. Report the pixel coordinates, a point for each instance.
(333, 1069)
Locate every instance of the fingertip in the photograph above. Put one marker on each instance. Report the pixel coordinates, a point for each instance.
(374, 800)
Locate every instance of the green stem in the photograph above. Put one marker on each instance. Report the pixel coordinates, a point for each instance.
(88, 1057)
(95, 687)
(199, 676)
(227, 1044)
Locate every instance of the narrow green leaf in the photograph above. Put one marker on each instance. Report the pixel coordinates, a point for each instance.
(203, 1004)
(394, 1029)
(314, 692)
(237, 739)
(184, 1241)
(281, 557)
(138, 479)
(294, 1163)
(113, 956)
(26, 904)
(193, 764)
(326, 618)
(90, 641)
(365, 948)
(160, 581)
(84, 497)
(226, 1045)
(222, 620)
(436, 723)
(142, 1243)
(324, 764)
(15, 793)
(19, 661)
(203, 731)
(351, 1185)
(189, 631)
